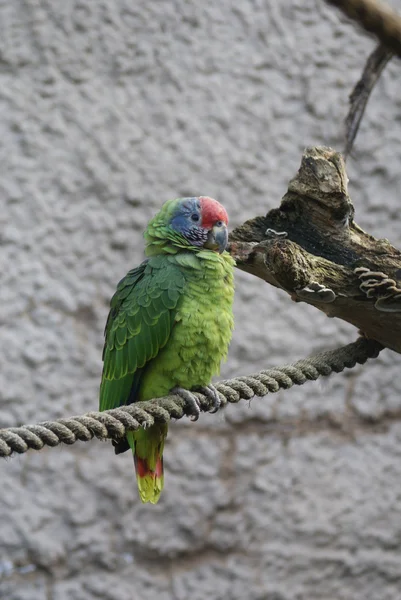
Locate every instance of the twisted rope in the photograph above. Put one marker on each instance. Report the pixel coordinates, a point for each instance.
(375, 17)
(114, 424)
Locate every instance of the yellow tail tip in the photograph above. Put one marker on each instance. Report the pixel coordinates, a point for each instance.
(150, 482)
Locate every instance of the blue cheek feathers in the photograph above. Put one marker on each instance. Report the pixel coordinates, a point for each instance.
(189, 229)
(180, 223)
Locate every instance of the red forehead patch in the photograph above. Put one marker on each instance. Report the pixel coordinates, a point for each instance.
(212, 211)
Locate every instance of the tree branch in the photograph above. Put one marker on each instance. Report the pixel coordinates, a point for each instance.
(360, 94)
(375, 17)
(312, 248)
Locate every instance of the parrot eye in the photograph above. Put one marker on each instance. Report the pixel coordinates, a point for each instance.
(219, 224)
(195, 217)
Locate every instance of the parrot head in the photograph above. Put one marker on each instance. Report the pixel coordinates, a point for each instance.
(202, 222)
(188, 222)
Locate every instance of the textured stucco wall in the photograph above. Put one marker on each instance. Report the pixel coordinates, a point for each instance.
(106, 110)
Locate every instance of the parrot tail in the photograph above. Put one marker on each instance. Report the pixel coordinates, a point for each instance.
(148, 448)
(150, 482)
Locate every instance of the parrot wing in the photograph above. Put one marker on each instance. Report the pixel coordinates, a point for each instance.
(139, 324)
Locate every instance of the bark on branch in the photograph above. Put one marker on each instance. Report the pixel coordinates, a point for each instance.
(312, 248)
(375, 17)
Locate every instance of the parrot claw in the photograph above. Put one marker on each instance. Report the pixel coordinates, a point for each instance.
(210, 392)
(191, 401)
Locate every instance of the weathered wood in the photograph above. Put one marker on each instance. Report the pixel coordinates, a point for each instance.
(312, 248)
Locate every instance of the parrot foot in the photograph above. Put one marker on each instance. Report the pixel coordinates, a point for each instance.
(210, 392)
(191, 401)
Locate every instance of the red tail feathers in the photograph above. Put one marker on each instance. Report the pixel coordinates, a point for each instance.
(150, 482)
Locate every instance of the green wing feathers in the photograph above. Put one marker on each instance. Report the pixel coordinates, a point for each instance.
(139, 325)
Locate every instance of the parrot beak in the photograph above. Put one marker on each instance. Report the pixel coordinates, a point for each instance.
(217, 238)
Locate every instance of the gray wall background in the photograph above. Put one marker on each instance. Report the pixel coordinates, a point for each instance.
(107, 109)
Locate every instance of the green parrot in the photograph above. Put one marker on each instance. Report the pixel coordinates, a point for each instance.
(170, 324)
